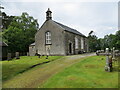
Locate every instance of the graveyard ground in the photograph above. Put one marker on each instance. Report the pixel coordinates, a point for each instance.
(17, 66)
(77, 71)
(88, 73)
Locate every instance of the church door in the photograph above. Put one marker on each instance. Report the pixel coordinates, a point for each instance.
(70, 48)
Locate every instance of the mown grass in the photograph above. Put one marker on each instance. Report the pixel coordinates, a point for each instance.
(88, 73)
(15, 66)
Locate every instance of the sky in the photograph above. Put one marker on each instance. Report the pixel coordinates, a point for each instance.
(83, 15)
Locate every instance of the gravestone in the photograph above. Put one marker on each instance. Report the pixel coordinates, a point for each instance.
(107, 59)
(108, 66)
(28, 54)
(113, 58)
(97, 53)
(48, 52)
(113, 53)
(47, 57)
(9, 56)
(17, 55)
(39, 55)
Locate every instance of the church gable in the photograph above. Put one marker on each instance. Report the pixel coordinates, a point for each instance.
(48, 26)
(49, 38)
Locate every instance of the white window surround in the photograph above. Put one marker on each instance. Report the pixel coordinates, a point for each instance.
(76, 43)
(48, 37)
(82, 43)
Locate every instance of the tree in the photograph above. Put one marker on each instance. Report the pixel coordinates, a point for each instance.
(117, 40)
(6, 20)
(110, 41)
(93, 43)
(20, 33)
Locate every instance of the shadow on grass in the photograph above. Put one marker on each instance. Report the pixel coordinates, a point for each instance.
(33, 66)
(14, 72)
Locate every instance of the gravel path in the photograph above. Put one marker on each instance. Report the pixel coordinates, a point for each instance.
(38, 75)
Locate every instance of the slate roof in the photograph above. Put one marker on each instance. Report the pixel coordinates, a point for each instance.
(3, 43)
(33, 44)
(66, 28)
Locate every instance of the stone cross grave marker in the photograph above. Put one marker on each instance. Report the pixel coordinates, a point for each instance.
(108, 66)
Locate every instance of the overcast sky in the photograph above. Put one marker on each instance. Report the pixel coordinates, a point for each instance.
(100, 16)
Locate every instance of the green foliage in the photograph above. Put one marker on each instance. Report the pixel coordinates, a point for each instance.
(20, 33)
(6, 20)
(109, 41)
(88, 73)
(93, 43)
(118, 39)
(14, 67)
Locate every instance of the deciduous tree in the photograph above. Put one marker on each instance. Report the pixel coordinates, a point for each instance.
(20, 33)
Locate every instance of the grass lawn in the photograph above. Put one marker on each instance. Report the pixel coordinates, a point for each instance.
(14, 67)
(88, 73)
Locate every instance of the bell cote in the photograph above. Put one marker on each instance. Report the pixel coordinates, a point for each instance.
(48, 14)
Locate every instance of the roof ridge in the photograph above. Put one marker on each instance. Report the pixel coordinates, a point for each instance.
(2, 43)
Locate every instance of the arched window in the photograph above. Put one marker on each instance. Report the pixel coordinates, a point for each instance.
(82, 43)
(76, 43)
(48, 37)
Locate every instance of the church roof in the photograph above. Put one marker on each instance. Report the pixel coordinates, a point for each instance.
(69, 29)
(3, 43)
(33, 44)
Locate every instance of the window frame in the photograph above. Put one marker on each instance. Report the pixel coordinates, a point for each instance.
(48, 40)
(82, 43)
(76, 43)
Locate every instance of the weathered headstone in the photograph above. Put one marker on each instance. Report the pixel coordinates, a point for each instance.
(17, 55)
(39, 55)
(47, 57)
(107, 59)
(113, 53)
(28, 54)
(9, 56)
(108, 66)
(97, 53)
(102, 51)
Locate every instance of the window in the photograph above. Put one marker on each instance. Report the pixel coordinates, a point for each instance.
(76, 43)
(48, 37)
(82, 43)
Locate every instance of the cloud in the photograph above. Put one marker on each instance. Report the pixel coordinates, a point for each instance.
(101, 17)
(60, 0)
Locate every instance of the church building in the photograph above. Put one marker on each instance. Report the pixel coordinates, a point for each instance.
(54, 38)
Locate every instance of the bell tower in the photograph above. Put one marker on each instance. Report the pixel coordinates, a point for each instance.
(48, 14)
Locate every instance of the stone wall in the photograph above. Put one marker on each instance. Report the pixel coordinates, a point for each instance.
(57, 36)
(69, 43)
(70, 38)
